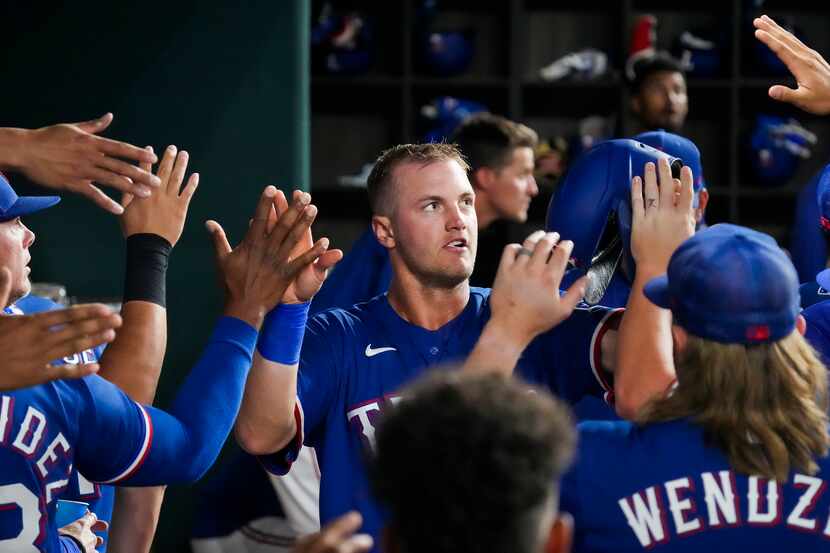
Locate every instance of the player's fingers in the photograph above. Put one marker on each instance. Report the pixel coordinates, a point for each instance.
(281, 203)
(784, 94)
(637, 206)
(221, 246)
(307, 257)
(575, 293)
(508, 257)
(79, 344)
(190, 188)
(297, 214)
(123, 150)
(80, 329)
(168, 159)
(100, 199)
(786, 52)
(359, 543)
(558, 263)
(95, 125)
(174, 183)
(529, 244)
(328, 259)
(651, 194)
(100, 526)
(343, 526)
(117, 181)
(5, 285)
(666, 186)
(783, 35)
(71, 315)
(88, 519)
(257, 230)
(684, 200)
(542, 250)
(296, 233)
(71, 371)
(146, 165)
(137, 175)
(98, 541)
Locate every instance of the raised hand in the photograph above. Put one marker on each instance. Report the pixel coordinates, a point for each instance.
(165, 211)
(526, 290)
(31, 342)
(71, 157)
(258, 271)
(661, 216)
(312, 277)
(811, 71)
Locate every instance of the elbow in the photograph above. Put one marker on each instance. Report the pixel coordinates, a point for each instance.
(256, 442)
(627, 401)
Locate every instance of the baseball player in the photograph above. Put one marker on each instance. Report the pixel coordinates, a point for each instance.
(152, 226)
(736, 452)
(91, 425)
(354, 361)
(501, 158)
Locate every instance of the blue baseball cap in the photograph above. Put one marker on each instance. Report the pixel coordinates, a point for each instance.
(677, 146)
(730, 284)
(13, 206)
(823, 279)
(823, 197)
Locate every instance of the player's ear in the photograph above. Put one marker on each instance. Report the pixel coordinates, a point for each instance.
(389, 540)
(561, 534)
(702, 202)
(801, 324)
(382, 227)
(679, 337)
(482, 178)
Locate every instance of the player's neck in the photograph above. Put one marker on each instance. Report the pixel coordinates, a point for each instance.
(426, 306)
(484, 211)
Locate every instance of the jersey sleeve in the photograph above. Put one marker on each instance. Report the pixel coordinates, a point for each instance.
(122, 442)
(568, 358)
(317, 382)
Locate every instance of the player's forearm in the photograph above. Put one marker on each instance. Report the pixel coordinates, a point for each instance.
(645, 364)
(11, 148)
(498, 349)
(187, 439)
(133, 361)
(134, 520)
(266, 420)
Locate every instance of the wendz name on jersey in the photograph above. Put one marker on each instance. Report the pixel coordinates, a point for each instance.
(645, 511)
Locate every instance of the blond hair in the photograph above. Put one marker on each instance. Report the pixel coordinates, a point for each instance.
(764, 405)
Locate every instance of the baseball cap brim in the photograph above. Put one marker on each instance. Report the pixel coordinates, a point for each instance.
(823, 279)
(26, 205)
(657, 291)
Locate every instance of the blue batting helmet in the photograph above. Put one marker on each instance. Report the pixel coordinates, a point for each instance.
(592, 206)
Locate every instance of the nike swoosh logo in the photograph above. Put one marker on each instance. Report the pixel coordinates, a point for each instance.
(371, 352)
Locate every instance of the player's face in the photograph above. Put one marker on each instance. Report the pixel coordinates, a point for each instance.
(514, 186)
(435, 222)
(15, 240)
(662, 102)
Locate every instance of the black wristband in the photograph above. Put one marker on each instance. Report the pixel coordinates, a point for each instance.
(146, 268)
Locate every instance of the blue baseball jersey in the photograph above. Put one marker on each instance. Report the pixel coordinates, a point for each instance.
(818, 329)
(88, 424)
(101, 499)
(811, 293)
(808, 246)
(365, 272)
(354, 362)
(667, 490)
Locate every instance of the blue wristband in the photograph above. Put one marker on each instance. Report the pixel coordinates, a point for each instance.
(282, 333)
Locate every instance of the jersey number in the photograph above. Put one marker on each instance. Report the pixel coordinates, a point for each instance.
(12, 495)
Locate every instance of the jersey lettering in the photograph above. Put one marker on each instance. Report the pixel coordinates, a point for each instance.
(814, 488)
(18, 496)
(31, 431)
(720, 498)
(646, 520)
(6, 412)
(679, 507)
(773, 500)
(49, 456)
